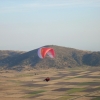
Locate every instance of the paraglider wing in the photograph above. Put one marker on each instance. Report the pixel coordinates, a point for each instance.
(42, 52)
(39, 53)
(51, 53)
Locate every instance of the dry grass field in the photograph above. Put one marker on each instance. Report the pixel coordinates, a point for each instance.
(68, 84)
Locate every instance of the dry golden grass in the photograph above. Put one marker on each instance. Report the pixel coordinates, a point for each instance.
(68, 84)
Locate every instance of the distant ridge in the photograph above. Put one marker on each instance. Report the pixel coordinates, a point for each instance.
(65, 57)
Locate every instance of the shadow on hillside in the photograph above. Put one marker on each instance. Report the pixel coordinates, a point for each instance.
(30, 57)
(92, 59)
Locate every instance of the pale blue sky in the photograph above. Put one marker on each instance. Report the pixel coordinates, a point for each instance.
(29, 24)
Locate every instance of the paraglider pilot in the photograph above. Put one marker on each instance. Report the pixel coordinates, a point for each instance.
(47, 79)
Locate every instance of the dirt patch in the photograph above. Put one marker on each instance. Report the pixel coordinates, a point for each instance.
(67, 83)
(62, 89)
(34, 85)
(91, 90)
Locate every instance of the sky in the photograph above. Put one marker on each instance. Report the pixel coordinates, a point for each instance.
(29, 24)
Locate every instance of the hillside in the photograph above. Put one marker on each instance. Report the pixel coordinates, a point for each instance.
(8, 53)
(65, 57)
(92, 59)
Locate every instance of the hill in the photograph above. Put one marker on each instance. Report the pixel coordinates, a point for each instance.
(65, 57)
(8, 53)
(92, 59)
